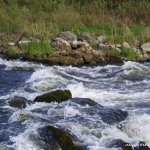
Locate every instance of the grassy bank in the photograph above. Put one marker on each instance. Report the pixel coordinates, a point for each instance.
(120, 20)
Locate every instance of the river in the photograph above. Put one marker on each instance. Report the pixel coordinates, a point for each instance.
(125, 86)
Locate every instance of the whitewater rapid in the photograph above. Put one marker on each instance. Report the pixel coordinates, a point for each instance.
(126, 87)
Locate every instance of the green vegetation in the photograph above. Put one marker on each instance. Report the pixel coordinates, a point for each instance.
(37, 48)
(121, 20)
(47, 18)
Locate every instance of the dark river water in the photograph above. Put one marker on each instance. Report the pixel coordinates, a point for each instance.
(125, 87)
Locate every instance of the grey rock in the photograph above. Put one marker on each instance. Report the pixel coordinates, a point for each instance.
(102, 39)
(78, 44)
(146, 48)
(126, 45)
(85, 37)
(61, 43)
(18, 102)
(68, 36)
(104, 46)
(23, 41)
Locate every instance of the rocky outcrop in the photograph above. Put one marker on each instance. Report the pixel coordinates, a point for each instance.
(82, 49)
(56, 96)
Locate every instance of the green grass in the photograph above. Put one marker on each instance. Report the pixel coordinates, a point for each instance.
(37, 48)
(129, 54)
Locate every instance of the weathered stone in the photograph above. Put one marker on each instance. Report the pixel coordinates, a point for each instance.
(88, 51)
(23, 41)
(102, 39)
(126, 45)
(96, 53)
(61, 43)
(83, 44)
(76, 54)
(104, 46)
(85, 37)
(74, 44)
(56, 96)
(52, 60)
(11, 44)
(19, 102)
(113, 46)
(44, 57)
(118, 46)
(146, 48)
(77, 44)
(68, 36)
(88, 58)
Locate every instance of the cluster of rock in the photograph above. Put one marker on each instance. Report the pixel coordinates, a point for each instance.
(80, 50)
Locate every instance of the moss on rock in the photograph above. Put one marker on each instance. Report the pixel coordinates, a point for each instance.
(63, 138)
(56, 96)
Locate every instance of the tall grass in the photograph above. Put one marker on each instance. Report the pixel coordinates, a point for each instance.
(120, 19)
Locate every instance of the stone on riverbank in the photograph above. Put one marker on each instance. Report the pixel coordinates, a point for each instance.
(146, 48)
(56, 96)
(68, 36)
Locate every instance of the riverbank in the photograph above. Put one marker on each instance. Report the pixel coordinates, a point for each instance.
(74, 49)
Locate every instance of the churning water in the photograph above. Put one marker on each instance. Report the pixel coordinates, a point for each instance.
(126, 87)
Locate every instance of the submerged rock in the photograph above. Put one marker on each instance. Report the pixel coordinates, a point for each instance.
(107, 115)
(18, 102)
(85, 101)
(56, 96)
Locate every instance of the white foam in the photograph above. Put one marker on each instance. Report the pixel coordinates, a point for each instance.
(137, 127)
(19, 64)
(23, 141)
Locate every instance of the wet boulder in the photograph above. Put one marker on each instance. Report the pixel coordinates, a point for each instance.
(56, 96)
(44, 139)
(85, 101)
(18, 102)
(112, 116)
(63, 139)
